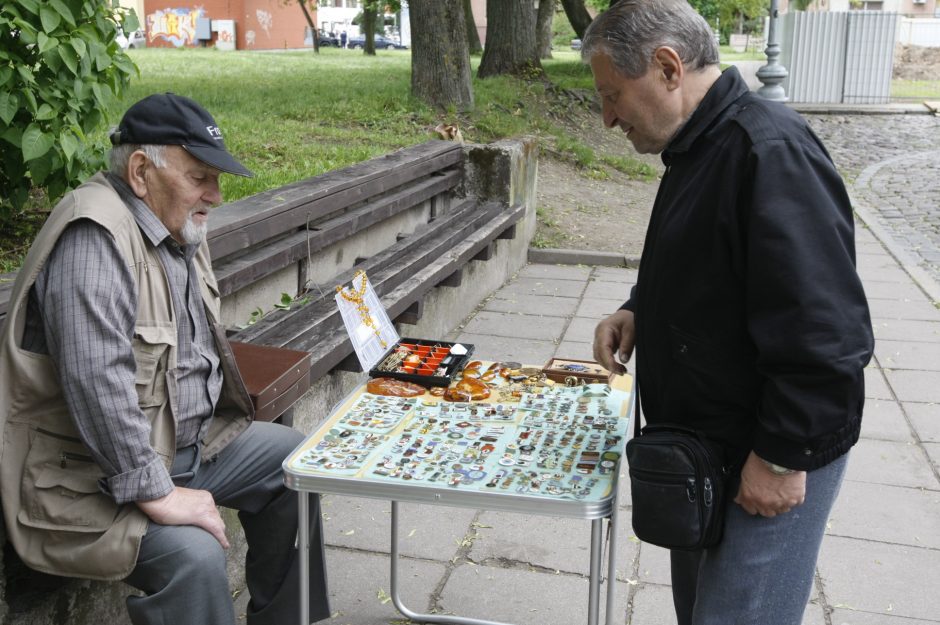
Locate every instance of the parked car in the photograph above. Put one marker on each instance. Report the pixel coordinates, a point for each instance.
(327, 41)
(575, 44)
(381, 43)
(137, 40)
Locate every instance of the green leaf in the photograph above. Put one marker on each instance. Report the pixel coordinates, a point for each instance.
(35, 142)
(9, 104)
(39, 168)
(100, 94)
(69, 144)
(25, 74)
(14, 136)
(78, 45)
(31, 103)
(30, 5)
(5, 73)
(130, 23)
(63, 10)
(46, 43)
(45, 112)
(69, 58)
(50, 18)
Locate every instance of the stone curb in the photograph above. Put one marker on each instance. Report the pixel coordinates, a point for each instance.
(581, 257)
(898, 108)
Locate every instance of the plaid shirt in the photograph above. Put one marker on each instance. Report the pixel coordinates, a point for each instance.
(82, 312)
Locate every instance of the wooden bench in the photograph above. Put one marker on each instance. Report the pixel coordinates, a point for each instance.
(256, 237)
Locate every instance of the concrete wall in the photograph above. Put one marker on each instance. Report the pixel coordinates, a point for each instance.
(505, 171)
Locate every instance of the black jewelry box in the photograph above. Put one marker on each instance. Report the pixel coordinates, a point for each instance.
(424, 362)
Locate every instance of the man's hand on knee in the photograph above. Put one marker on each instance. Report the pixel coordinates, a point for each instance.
(186, 506)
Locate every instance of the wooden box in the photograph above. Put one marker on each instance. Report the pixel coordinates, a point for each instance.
(276, 377)
(559, 369)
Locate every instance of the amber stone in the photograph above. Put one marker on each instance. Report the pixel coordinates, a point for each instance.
(393, 387)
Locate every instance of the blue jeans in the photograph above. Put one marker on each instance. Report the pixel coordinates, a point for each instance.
(762, 571)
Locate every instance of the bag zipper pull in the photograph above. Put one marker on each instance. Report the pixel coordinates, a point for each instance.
(63, 459)
(690, 489)
(708, 492)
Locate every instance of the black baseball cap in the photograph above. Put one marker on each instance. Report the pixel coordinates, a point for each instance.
(170, 119)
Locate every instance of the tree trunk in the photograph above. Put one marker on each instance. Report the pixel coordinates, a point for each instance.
(313, 27)
(578, 16)
(440, 62)
(473, 35)
(368, 28)
(510, 39)
(543, 28)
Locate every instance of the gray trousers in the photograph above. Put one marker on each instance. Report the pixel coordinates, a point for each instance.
(762, 571)
(182, 569)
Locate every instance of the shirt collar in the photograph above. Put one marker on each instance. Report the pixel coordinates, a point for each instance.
(149, 224)
(728, 88)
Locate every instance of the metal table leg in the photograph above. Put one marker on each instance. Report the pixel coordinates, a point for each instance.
(415, 616)
(612, 563)
(597, 552)
(303, 552)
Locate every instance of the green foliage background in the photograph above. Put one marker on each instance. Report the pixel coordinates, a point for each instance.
(61, 69)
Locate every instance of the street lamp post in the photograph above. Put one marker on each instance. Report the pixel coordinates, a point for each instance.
(772, 74)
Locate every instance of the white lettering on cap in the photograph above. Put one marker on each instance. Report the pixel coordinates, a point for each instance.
(214, 132)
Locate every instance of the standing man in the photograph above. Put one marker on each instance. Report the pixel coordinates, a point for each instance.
(125, 422)
(748, 315)
(342, 39)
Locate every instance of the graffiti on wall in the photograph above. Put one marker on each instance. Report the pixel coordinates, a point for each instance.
(266, 20)
(178, 26)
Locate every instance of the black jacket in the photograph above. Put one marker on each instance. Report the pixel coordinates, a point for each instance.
(752, 325)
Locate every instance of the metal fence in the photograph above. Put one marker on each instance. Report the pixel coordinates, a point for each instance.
(839, 57)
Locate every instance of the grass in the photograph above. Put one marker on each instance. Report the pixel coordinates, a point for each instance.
(292, 115)
(915, 89)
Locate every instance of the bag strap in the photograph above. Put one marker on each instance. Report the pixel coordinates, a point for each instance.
(636, 407)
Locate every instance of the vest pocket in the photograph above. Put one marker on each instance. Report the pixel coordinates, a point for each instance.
(60, 488)
(151, 345)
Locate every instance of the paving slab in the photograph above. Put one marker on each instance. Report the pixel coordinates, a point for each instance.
(926, 420)
(522, 596)
(875, 385)
(894, 291)
(922, 386)
(615, 274)
(526, 351)
(550, 542)
(576, 350)
(890, 273)
(841, 616)
(890, 463)
(580, 330)
(918, 310)
(906, 330)
(555, 272)
(652, 605)
(537, 305)
(617, 291)
(891, 514)
(884, 420)
(597, 309)
(432, 532)
(908, 355)
(933, 453)
(543, 286)
(359, 583)
(879, 578)
(653, 567)
(515, 326)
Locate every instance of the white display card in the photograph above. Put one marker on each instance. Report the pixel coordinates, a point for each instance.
(367, 340)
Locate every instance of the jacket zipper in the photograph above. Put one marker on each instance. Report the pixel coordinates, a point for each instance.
(61, 437)
(65, 456)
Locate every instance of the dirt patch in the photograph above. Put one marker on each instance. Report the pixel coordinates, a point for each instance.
(599, 207)
(916, 62)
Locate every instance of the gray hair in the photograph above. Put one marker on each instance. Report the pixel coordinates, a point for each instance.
(120, 154)
(631, 31)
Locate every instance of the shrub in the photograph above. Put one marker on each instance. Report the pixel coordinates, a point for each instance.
(61, 70)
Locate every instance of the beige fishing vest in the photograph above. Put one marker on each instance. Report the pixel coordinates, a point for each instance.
(56, 517)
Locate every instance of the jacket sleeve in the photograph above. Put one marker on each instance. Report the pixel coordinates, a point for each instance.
(806, 310)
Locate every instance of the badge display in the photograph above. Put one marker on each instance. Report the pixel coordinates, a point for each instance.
(559, 442)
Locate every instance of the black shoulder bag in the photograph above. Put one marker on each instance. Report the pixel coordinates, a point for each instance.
(678, 484)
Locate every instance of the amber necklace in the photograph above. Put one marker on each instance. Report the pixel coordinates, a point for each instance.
(357, 297)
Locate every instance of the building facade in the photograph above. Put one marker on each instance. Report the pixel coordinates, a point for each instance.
(228, 24)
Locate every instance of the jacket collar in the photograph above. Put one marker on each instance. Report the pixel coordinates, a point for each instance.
(728, 88)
